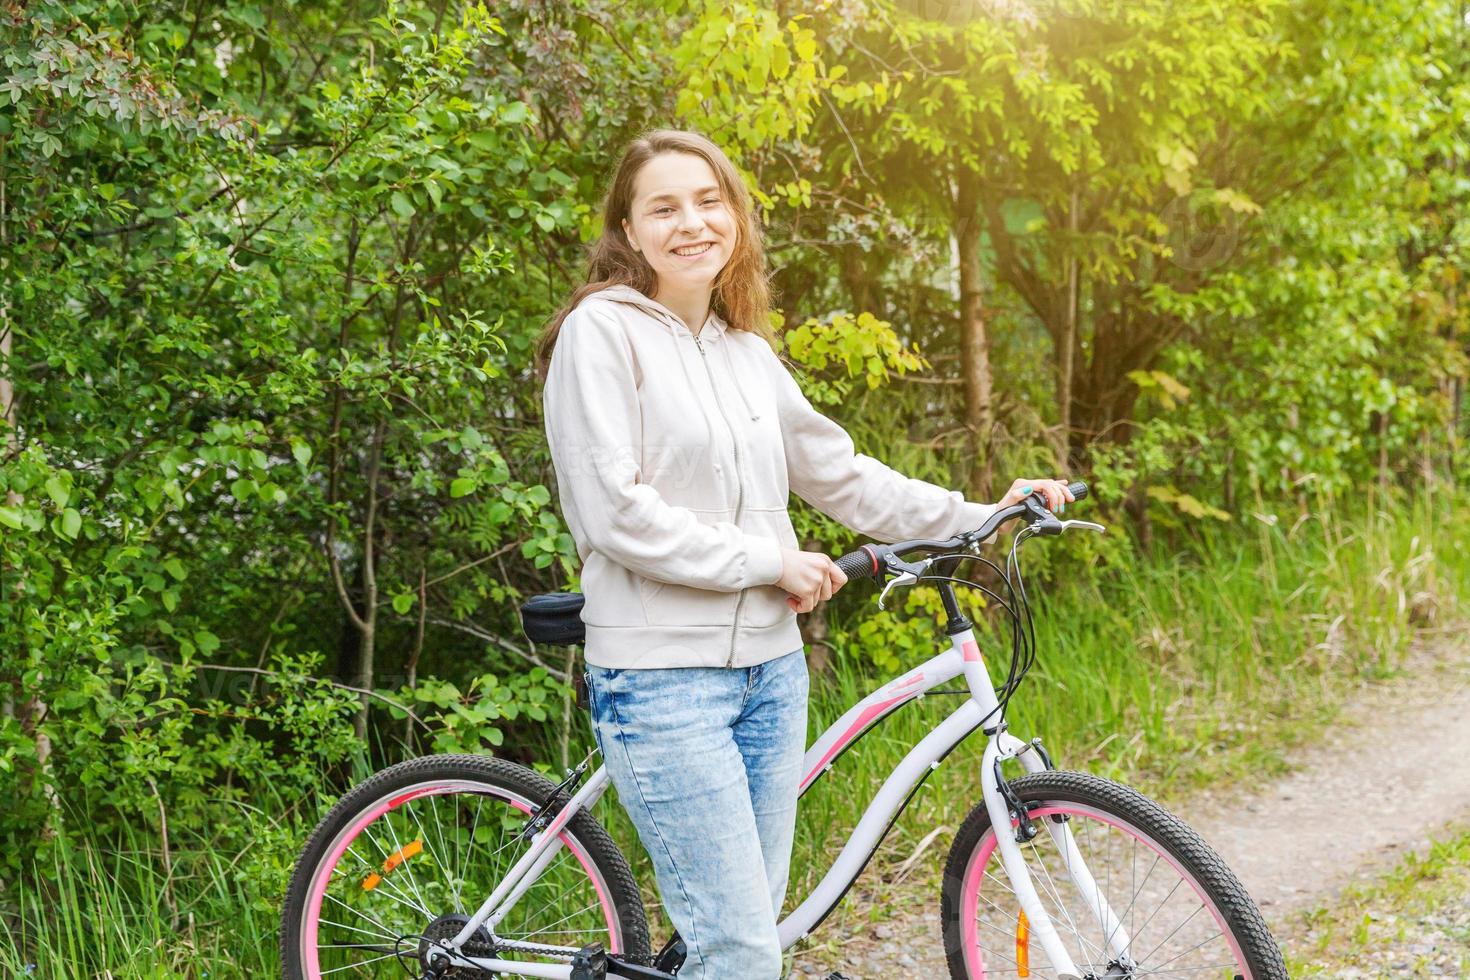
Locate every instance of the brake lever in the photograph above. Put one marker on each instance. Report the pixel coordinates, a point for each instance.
(907, 578)
(909, 573)
(1084, 525)
(1045, 522)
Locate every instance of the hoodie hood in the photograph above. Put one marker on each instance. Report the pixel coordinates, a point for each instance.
(620, 293)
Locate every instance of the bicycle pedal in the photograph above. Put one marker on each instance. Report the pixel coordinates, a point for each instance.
(589, 963)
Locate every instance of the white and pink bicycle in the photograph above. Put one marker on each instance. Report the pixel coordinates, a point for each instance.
(468, 867)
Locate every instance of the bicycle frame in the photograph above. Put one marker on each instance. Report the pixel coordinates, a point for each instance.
(963, 658)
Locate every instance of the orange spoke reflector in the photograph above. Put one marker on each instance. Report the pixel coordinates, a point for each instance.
(1023, 945)
(394, 860)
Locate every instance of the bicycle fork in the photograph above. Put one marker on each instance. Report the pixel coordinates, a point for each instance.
(1001, 747)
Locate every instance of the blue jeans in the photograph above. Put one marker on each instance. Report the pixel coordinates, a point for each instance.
(707, 760)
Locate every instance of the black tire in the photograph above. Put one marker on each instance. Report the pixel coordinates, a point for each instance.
(1142, 820)
(499, 779)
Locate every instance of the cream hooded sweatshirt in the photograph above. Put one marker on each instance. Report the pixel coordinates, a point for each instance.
(675, 458)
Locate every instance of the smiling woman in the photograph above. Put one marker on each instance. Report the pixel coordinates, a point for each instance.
(678, 437)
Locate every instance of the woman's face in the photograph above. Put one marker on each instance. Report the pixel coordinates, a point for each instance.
(679, 221)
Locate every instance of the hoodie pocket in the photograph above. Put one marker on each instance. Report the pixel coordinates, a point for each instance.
(765, 605)
(667, 604)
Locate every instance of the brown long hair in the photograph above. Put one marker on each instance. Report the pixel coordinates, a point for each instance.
(741, 296)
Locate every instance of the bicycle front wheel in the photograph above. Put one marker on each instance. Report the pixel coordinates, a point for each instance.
(1182, 910)
(405, 859)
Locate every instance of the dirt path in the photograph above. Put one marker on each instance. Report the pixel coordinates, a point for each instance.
(1360, 799)
(1394, 771)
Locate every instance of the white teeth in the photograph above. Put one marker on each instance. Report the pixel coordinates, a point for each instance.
(693, 249)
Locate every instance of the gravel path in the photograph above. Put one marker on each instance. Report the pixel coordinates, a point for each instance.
(1393, 773)
(1386, 783)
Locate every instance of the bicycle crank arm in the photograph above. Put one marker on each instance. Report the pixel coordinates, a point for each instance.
(617, 968)
(592, 963)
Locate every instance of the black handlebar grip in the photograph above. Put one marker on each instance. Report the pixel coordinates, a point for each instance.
(858, 564)
(1078, 490)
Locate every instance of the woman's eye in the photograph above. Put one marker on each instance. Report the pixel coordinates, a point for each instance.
(712, 200)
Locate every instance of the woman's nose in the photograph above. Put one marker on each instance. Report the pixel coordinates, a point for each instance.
(690, 219)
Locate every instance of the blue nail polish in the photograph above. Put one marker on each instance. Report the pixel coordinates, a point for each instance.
(1025, 490)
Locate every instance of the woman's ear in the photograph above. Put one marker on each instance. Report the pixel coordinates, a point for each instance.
(628, 236)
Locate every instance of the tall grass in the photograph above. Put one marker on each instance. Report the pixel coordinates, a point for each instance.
(1167, 669)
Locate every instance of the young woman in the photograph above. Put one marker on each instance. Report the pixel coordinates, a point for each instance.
(677, 436)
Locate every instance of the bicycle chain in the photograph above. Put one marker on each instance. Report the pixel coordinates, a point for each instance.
(492, 950)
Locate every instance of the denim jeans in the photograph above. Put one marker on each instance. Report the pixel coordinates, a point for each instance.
(707, 760)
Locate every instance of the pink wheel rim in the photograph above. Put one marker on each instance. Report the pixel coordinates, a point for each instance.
(317, 892)
(974, 878)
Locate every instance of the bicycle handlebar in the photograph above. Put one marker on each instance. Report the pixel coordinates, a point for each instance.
(869, 560)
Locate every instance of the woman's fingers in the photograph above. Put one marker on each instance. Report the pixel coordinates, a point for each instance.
(824, 580)
(1053, 493)
(839, 577)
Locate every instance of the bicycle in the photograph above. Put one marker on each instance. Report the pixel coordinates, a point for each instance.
(1100, 881)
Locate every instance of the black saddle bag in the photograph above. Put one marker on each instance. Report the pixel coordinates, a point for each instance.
(555, 618)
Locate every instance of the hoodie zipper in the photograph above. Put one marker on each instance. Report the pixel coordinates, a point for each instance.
(739, 488)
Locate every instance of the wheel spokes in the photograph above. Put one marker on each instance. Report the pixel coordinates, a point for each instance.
(405, 873)
(1166, 910)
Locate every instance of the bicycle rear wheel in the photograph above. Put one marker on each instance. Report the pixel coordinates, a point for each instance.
(1184, 912)
(405, 859)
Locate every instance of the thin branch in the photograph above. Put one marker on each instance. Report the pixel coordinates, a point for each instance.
(483, 634)
(478, 561)
(856, 155)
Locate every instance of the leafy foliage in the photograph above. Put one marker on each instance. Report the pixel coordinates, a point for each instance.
(273, 478)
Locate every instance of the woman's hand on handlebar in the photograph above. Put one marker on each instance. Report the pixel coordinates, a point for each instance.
(809, 577)
(1053, 493)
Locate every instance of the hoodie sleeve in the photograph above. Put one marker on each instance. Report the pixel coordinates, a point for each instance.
(595, 431)
(826, 471)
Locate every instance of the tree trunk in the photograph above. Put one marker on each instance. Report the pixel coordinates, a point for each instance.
(974, 337)
(1066, 347)
(857, 277)
(369, 626)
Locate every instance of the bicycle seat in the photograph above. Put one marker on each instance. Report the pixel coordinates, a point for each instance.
(554, 618)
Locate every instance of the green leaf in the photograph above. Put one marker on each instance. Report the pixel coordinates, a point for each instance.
(175, 568)
(402, 206)
(206, 641)
(58, 490)
(301, 451)
(10, 517)
(462, 487)
(71, 523)
(402, 603)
